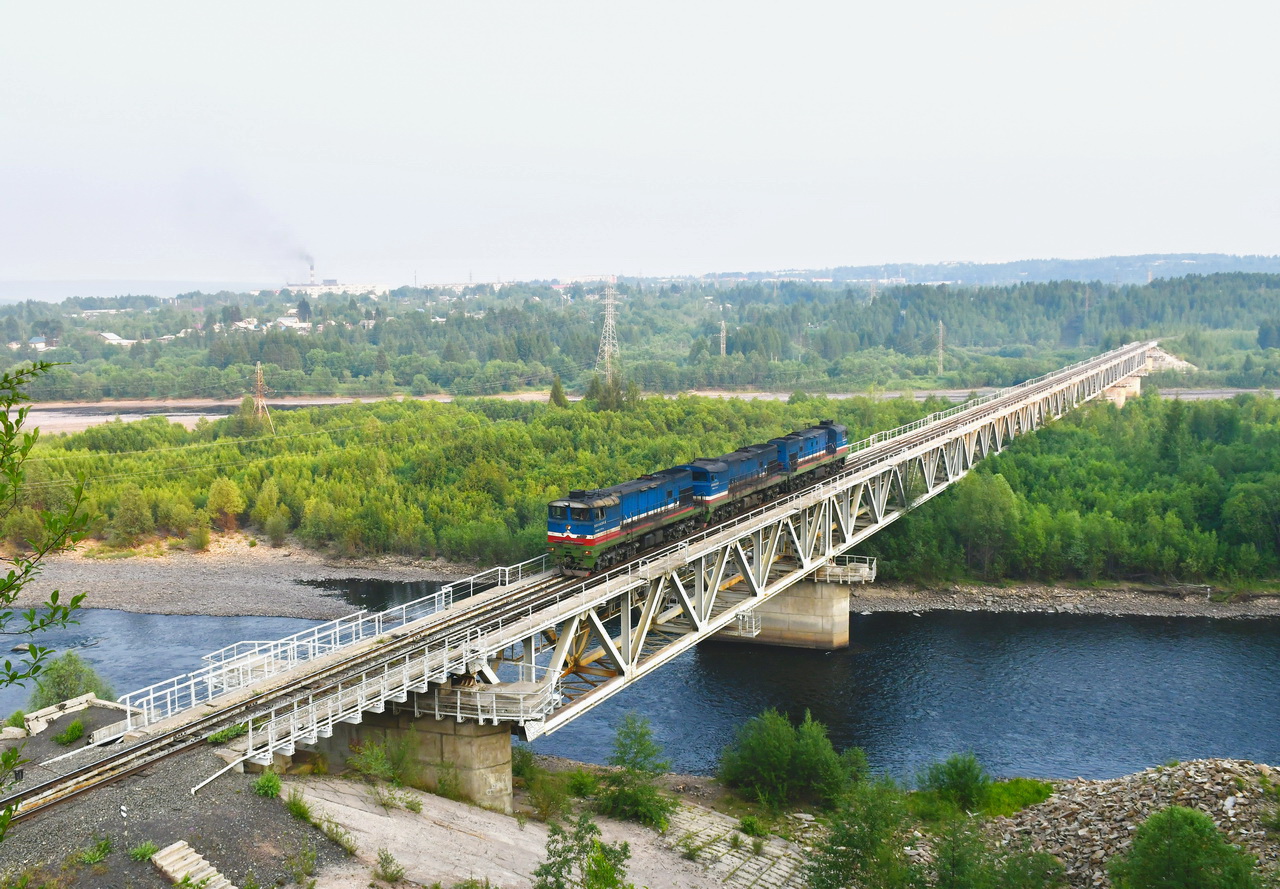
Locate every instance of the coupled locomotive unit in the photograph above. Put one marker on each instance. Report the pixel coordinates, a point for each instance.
(589, 530)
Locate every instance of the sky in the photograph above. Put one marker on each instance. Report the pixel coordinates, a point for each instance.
(501, 141)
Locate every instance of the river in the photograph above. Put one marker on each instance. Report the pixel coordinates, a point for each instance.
(1051, 695)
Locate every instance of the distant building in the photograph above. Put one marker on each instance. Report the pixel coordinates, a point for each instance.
(113, 340)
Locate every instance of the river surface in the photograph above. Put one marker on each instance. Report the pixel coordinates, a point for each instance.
(1049, 695)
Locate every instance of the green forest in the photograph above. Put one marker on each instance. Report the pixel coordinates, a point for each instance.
(783, 336)
(1163, 490)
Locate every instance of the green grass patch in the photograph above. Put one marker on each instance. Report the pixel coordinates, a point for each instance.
(267, 785)
(229, 733)
(1014, 795)
(97, 853)
(73, 733)
(144, 851)
(298, 807)
(17, 719)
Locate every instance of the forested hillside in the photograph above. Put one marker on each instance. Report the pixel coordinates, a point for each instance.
(467, 481)
(783, 336)
(1161, 490)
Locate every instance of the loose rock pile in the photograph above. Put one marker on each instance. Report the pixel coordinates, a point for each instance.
(1085, 823)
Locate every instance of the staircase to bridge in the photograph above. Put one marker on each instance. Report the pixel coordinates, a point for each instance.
(523, 650)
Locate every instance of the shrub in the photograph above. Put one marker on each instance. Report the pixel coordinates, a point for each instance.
(583, 784)
(629, 791)
(68, 677)
(277, 530)
(1184, 842)
(581, 858)
(144, 851)
(302, 864)
(960, 780)
(268, 785)
(522, 765)
(391, 760)
(16, 720)
(752, 826)
(549, 796)
(388, 870)
(74, 732)
(370, 759)
(778, 763)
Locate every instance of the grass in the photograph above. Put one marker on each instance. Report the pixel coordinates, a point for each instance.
(17, 719)
(97, 853)
(301, 864)
(267, 785)
(338, 835)
(1014, 795)
(74, 732)
(230, 732)
(144, 851)
(297, 806)
(752, 826)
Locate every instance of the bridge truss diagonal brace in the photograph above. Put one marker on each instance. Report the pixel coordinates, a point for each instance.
(635, 619)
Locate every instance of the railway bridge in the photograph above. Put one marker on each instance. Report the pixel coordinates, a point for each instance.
(525, 650)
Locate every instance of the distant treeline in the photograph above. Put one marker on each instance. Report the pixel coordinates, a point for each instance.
(784, 336)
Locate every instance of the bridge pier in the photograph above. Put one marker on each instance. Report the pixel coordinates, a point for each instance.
(1121, 392)
(451, 756)
(808, 614)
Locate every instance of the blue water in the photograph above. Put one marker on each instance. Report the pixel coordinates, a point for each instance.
(1048, 695)
(132, 651)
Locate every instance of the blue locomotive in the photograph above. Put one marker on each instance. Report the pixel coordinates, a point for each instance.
(595, 529)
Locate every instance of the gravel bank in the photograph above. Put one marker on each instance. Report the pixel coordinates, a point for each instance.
(230, 578)
(1030, 598)
(236, 830)
(1086, 823)
(234, 578)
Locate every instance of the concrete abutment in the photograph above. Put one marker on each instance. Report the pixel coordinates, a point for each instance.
(450, 757)
(808, 614)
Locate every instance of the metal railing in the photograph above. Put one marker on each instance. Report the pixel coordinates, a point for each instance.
(244, 663)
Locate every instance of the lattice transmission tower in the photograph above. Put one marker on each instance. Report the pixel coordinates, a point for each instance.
(260, 400)
(608, 353)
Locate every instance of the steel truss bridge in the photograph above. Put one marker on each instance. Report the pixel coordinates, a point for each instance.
(525, 646)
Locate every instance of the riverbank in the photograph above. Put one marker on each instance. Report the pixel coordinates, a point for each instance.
(1117, 601)
(233, 577)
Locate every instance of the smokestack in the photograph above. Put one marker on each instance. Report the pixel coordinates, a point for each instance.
(313, 274)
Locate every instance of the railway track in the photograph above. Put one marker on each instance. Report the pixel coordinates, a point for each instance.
(484, 609)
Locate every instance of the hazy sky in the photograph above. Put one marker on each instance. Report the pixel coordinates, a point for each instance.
(536, 139)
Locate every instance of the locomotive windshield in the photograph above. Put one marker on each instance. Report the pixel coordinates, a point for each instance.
(559, 513)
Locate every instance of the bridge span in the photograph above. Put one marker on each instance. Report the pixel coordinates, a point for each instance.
(524, 650)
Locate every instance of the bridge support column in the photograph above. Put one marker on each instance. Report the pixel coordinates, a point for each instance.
(451, 757)
(1124, 390)
(809, 614)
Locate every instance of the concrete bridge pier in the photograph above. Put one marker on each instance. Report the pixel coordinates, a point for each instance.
(1123, 391)
(809, 614)
(451, 757)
